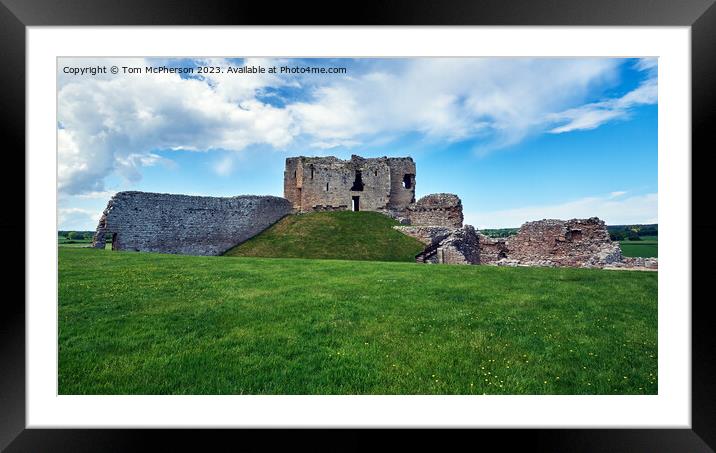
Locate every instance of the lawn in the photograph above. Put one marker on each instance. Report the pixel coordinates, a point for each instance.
(648, 247)
(141, 323)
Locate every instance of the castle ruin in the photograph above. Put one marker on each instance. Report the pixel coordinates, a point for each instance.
(384, 184)
(191, 225)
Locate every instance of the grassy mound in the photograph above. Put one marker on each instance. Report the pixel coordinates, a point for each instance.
(147, 323)
(345, 235)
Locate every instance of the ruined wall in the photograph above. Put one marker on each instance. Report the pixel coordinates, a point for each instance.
(402, 182)
(440, 209)
(576, 243)
(428, 235)
(329, 183)
(166, 223)
(460, 246)
(492, 249)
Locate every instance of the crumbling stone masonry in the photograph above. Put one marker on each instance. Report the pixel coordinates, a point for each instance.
(575, 243)
(492, 250)
(183, 224)
(461, 246)
(439, 209)
(428, 235)
(385, 184)
(445, 245)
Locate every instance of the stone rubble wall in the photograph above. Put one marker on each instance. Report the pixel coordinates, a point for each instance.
(440, 209)
(574, 243)
(460, 247)
(636, 263)
(428, 235)
(183, 224)
(492, 249)
(445, 245)
(549, 243)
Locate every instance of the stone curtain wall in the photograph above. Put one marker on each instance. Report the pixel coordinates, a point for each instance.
(329, 183)
(183, 224)
(440, 209)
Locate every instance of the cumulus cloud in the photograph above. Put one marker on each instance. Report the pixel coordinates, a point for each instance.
(613, 210)
(116, 124)
(500, 100)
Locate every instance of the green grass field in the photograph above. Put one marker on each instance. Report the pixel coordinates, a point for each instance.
(62, 240)
(648, 247)
(333, 235)
(141, 323)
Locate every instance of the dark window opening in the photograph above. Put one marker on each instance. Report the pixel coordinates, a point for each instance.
(114, 241)
(574, 235)
(358, 183)
(501, 254)
(326, 187)
(356, 203)
(408, 181)
(294, 174)
(311, 171)
(376, 172)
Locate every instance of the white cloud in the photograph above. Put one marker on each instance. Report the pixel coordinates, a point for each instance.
(593, 115)
(78, 219)
(501, 100)
(629, 210)
(647, 64)
(224, 166)
(116, 123)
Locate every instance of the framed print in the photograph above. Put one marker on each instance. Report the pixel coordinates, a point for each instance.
(413, 218)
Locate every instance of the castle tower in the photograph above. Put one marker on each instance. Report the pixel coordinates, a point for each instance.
(359, 184)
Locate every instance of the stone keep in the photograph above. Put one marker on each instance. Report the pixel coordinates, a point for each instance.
(384, 184)
(183, 224)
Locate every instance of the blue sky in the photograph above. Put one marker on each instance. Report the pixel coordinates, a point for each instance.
(517, 139)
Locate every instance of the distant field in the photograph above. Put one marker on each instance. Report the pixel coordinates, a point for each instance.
(333, 235)
(648, 247)
(64, 242)
(143, 323)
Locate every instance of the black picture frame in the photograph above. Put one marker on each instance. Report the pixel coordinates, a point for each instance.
(16, 15)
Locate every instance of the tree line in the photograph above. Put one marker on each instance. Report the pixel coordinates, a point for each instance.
(632, 232)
